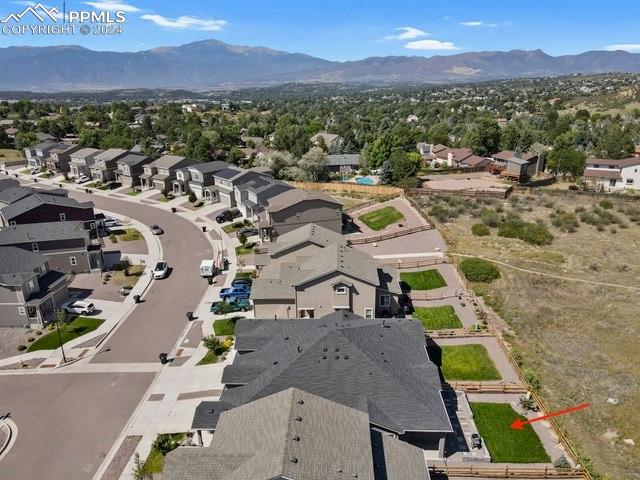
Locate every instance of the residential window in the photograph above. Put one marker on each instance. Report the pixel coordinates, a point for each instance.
(63, 217)
(92, 226)
(12, 222)
(612, 182)
(73, 260)
(342, 290)
(368, 313)
(30, 285)
(22, 311)
(34, 247)
(384, 300)
(629, 181)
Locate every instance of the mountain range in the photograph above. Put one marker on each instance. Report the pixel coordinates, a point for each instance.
(211, 64)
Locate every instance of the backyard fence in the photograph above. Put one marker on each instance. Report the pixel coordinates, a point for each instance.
(461, 333)
(506, 472)
(459, 193)
(404, 265)
(349, 187)
(483, 387)
(390, 235)
(578, 193)
(360, 206)
(423, 296)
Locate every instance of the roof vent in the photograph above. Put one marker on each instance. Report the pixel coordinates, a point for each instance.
(298, 419)
(324, 357)
(275, 363)
(346, 357)
(325, 349)
(337, 357)
(300, 402)
(286, 338)
(211, 411)
(294, 460)
(296, 438)
(337, 349)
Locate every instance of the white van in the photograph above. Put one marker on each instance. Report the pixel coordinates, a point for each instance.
(207, 268)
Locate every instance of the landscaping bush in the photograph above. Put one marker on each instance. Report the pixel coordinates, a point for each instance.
(606, 204)
(479, 270)
(480, 230)
(192, 197)
(442, 213)
(490, 217)
(533, 233)
(22, 348)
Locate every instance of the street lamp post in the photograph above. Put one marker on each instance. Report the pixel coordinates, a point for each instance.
(64, 358)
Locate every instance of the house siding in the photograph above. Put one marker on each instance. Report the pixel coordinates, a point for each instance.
(51, 213)
(320, 212)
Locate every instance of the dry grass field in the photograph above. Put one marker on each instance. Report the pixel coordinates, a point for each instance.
(579, 339)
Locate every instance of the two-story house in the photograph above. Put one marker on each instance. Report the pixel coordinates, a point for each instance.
(224, 183)
(331, 141)
(82, 160)
(60, 157)
(66, 245)
(613, 175)
(37, 154)
(30, 291)
(104, 167)
(196, 178)
(160, 173)
(515, 165)
(45, 207)
(294, 208)
(311, 272)
(253, 195)
(130, 167)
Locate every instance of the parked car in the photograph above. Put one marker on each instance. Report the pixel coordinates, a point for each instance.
(247, 232)
(161, 269)
(156, 230)
(110, 222)
(234, 293)
(242, 282)
(228, 215)
(82, 179)
(79, 307)
(239, 305)
(476, 441)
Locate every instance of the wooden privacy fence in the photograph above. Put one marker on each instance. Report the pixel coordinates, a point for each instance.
(361, 206)
(426, 296)
(483, 387)
(506, 472)
(577, 193)
(461, 333)
(459, 193)
(390, 235)
(403, 265)
(349, 187)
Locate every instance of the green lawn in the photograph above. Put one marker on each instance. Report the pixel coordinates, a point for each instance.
(11, 154)
(224, 326)
(45, 175)
(468, 362)
(381, 218)
(209, 358)
(78, 327)
(505, 444)
(134, 193)
(129, 235)
(423, 280)
(437, 318)
(155, 460)
(245, 249)
(244, 274)
(164, 199)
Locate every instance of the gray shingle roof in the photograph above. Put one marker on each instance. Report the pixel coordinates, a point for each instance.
(32, 201)
(209, 167)
(376, 366)
(6, 183)
(296, 435)
(297, 195)
(348, 159)
(228, 173)
(310, 232)
(39, 232)
(133, 159)
(17, 264)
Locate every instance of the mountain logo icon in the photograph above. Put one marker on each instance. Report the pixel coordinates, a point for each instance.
(39, 11)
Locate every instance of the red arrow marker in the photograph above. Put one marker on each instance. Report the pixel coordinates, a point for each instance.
(519, 424)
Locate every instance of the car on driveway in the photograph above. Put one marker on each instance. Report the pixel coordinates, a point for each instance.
(228, 215)
(476, 441)
(239, 305)
(82, 179)
(79, 307)
(156, 230)
(242, 283)
(160, 270)
(247, 232)
(234, 293)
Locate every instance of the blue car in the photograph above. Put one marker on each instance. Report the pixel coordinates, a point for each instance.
(235, 293)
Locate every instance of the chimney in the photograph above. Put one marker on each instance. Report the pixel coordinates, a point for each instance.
(450, 159)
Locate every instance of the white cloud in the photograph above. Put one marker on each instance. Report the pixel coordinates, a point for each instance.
(113, 6)
(187, 23)
(480, 23)
(407, 33)
(629, 47)
(431, 45)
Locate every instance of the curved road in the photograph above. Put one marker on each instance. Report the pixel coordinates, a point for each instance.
(68, 422)
(155, 324)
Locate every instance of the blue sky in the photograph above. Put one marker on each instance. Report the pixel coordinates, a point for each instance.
(354, 29)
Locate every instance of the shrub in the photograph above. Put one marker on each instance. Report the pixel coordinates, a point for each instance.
(562, 462)
(31, 339)
(211, 342)
(533, 233)
(479, 270)
(192, 197)
(606, 204)
(480, 230)
(22, 348)
(164, 443)
(490, 217)
(113, 238)
(565, 221)
(442, 213)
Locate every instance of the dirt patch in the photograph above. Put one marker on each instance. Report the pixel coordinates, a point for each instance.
(577, 339)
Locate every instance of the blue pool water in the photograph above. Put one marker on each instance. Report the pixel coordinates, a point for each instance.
(365, 181)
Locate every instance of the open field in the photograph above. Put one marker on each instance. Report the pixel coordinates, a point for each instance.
(576, 338)
(505, 444)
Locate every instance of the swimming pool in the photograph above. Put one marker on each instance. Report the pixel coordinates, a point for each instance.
(365, 181)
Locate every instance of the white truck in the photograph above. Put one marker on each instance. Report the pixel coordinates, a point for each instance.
(207, 268)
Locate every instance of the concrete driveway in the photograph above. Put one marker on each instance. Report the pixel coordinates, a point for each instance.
(155, 325)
